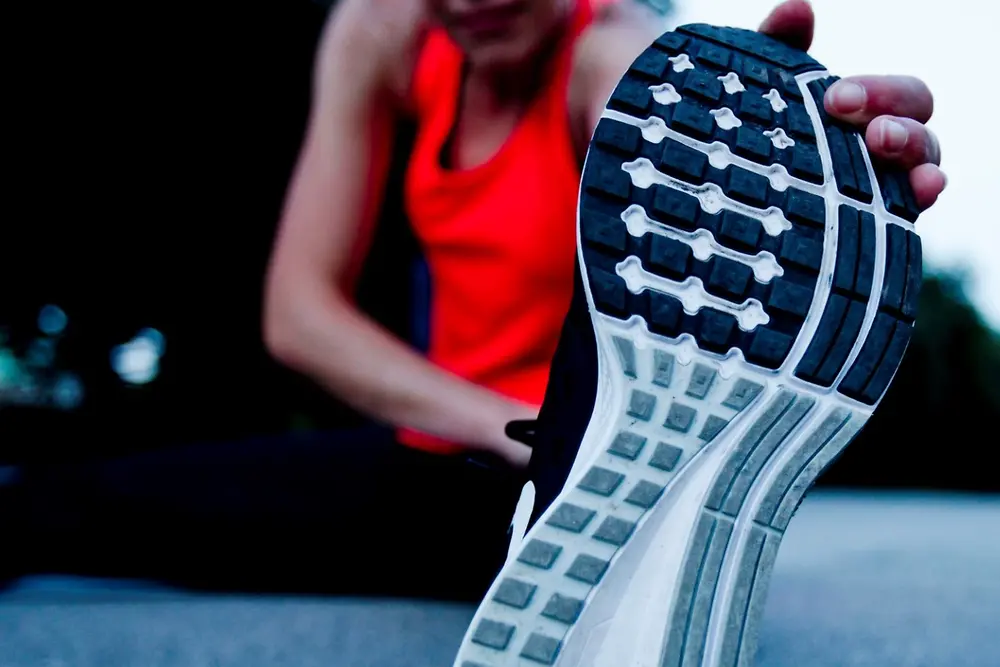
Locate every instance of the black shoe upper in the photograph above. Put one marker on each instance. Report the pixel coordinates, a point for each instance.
(569, 401)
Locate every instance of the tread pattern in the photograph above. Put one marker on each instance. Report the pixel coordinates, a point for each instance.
(851, 170)
(869, 376)
(846, 151)
(718, 202)
(875, 366)
(673, 412)
(710, 92)
(762, 204)
(713, 539)
(608, 242)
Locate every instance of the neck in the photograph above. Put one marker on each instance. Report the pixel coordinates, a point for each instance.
(496, 88)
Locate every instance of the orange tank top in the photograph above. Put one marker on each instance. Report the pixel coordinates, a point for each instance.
(500, 238)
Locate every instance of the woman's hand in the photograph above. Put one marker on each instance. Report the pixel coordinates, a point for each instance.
(890, 110)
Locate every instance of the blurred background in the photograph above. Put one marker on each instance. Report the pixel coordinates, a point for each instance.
(148, 151)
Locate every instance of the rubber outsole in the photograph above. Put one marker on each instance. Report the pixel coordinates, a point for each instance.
(753, 279)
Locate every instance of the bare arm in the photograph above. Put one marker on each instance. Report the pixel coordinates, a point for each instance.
(310, 322)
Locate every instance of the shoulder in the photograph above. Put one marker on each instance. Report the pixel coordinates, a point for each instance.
(619, 32)
(619, 29)
(372, 43)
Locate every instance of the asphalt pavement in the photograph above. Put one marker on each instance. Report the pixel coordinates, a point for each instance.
(863, 580)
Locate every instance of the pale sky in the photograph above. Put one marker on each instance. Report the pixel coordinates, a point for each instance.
(951, 45)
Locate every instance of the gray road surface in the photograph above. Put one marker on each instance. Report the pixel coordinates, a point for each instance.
(862, 581)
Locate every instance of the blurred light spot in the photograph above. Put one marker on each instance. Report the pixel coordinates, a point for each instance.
(9, 475)
(52, 320)
(138, 361)
(10, 369)
(41, 353)
(25, 390)
(156, 338)
(67, 392)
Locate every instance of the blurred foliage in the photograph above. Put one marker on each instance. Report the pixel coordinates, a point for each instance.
(938, 421)
(959, 353)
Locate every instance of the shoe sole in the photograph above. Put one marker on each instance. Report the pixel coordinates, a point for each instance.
(752, 280)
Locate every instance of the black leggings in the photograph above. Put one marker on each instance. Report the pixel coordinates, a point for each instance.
(348, 512)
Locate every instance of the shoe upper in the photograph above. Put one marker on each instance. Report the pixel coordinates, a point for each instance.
(556, 435)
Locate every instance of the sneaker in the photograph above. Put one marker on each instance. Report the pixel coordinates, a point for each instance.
(748, 284)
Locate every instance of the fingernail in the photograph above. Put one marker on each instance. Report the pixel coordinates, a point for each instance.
(944, 181)
(848, 97)
(894, 136)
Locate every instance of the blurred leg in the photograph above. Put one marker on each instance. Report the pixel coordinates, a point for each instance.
(346, 512)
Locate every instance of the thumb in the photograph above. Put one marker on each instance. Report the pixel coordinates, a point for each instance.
(791, 22)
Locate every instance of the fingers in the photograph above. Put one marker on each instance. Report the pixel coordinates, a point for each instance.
(861, 99)
(902, 141)
(909, 145)
(792, 22)
(928, 182)
(518, 455)
(893, 109)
